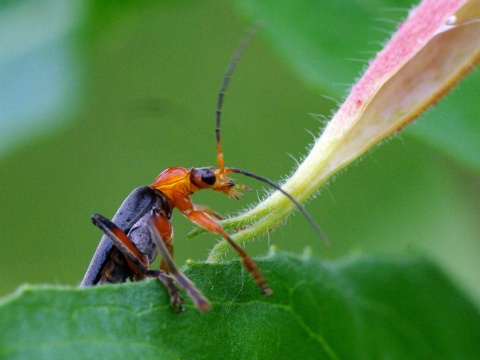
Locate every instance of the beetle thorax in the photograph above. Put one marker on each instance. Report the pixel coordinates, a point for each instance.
(174, 179)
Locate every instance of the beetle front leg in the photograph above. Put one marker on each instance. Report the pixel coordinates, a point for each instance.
(209, 211)
(207, 222)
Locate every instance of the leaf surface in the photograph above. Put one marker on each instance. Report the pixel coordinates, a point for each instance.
(360, 307)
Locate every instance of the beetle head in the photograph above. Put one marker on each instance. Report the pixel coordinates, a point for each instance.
(216, 179)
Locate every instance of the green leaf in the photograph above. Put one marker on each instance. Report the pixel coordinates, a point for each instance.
(362, 307)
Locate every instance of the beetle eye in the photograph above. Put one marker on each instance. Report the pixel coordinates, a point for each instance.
(208, 177)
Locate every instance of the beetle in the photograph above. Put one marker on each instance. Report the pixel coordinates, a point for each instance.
(142, 224)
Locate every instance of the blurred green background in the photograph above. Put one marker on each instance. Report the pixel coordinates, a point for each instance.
(98, 97)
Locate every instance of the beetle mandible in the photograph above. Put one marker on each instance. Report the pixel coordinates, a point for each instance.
(141, 226)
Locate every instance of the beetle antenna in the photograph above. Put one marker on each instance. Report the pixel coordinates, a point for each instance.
(292, 199)
(226, 79)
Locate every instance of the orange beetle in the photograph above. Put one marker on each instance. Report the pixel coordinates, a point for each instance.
(141, 226)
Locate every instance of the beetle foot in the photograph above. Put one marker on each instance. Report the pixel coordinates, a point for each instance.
(176, 299)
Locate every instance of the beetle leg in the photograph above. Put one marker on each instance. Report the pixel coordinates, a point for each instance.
(137, 261)
(207, 222)
(209, 211)
(204, 220)
(175, 299)
(164, 228)
(157, 226)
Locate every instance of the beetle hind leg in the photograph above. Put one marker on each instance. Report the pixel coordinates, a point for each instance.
(135, 260)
